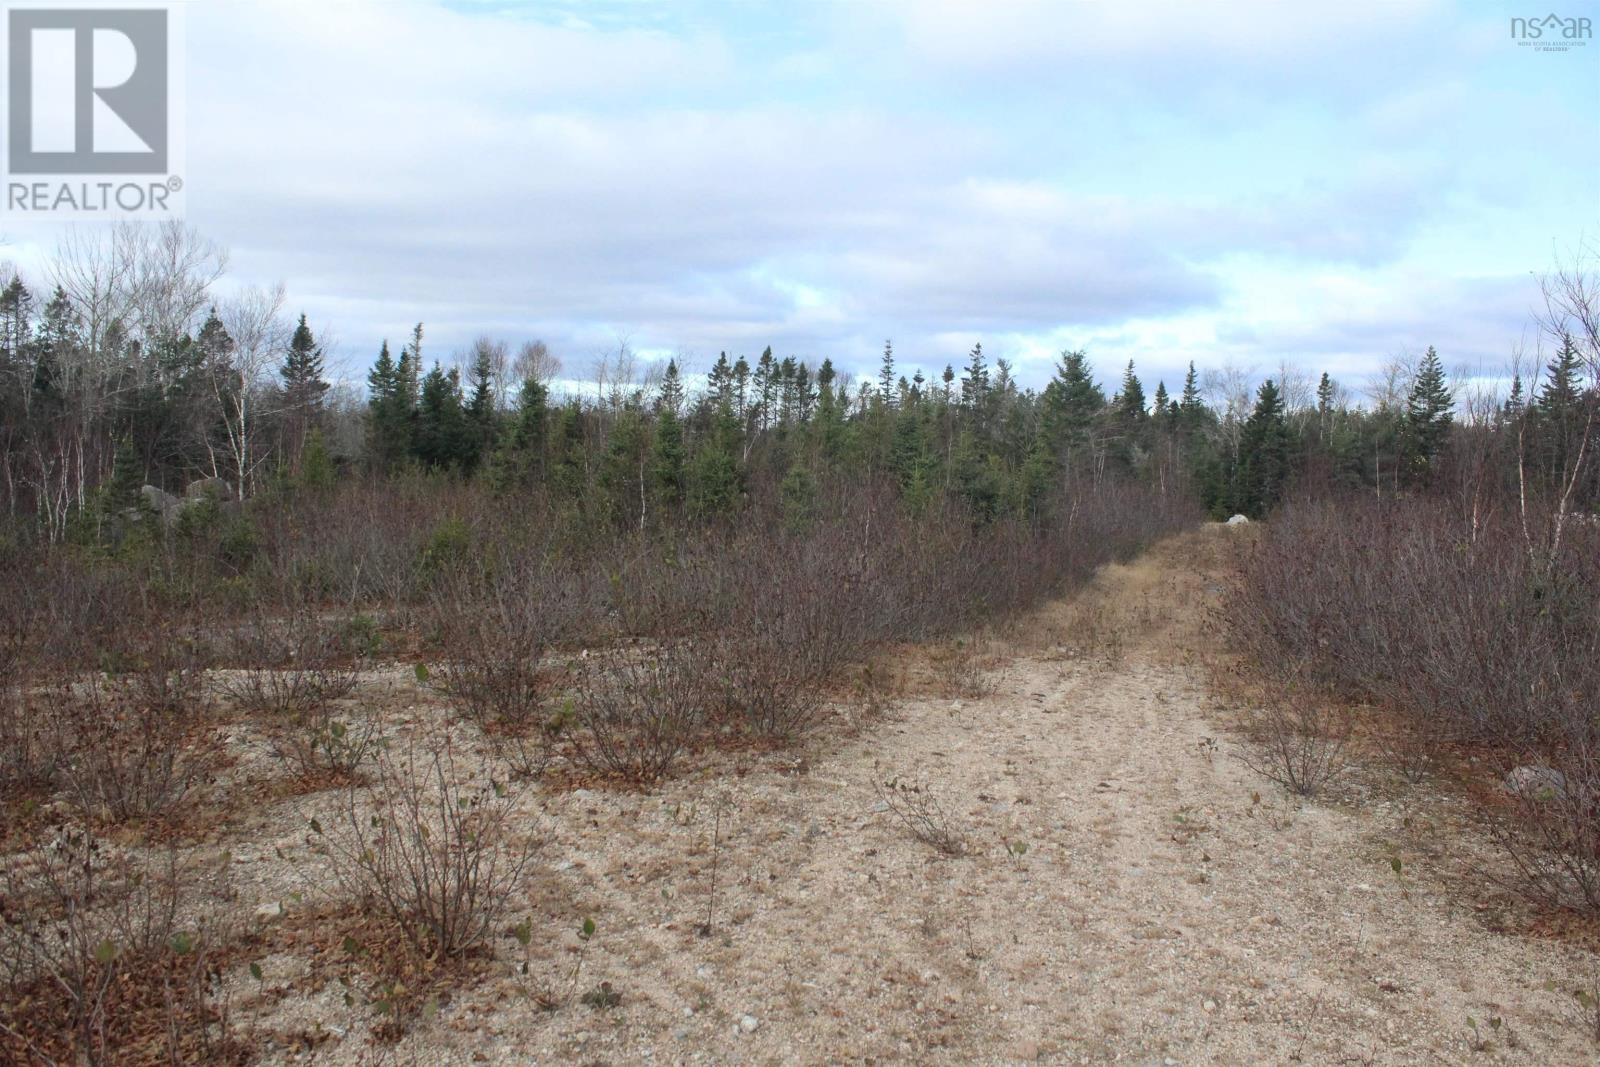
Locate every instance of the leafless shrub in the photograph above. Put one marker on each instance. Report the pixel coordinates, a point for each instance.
(436, 856)
(27, 758)
(961, 669)
(292, 669)
(1299, 741)
(107, 959)
(1407, 746)
(1585, 1003)
(297, 670)
(496, 626)
(1410, 607)
(1550, 829)
(132, 746)
(917, 806)
(636, 708)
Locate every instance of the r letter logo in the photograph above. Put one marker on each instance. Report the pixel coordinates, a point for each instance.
(90, 94)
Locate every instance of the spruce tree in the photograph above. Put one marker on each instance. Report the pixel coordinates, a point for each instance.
(1191, 408)
(668, 471)
(1264, 454)
(975, 383)
(388, 416)
(1427, 419)
(886, 376)
(482, 418)
(671, 398)
(303, 384)
(441, 439)
(1071, 403)
(1131, 403)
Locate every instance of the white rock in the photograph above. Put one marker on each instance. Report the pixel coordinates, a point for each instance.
(271, 910)
(749, 1023)
(1238, 520)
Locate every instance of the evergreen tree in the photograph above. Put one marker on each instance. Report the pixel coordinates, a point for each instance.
(316, 464)
(975, 383)
(622, 475)
(482, 418)
(1427, 419)
(1325, 400)
(714, 475)
(303, 384)
(1264, 454)
(1512, 410)
(671, 399)
(668, 470)
(1191, 408)
(1071, 403)
(886, 390)
(441, 425)
(388, 412)
(1131, 403)
(1558, 414)
(303, 389)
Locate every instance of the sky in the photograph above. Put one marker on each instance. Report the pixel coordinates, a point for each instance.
(1253, 183)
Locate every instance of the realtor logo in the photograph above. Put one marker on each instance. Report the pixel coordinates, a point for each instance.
(90, 99)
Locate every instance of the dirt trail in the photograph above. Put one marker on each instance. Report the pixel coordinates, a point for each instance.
(1157, 915)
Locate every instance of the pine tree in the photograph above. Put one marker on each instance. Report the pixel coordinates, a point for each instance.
(1558, 412)
(671, 399)
(714, 476)
(1131, 403)
(1512, 410)
(1071, 403)
(668, 471)
(441, 425)
(975, 383)
(1263, 454)
(1325, 400)
(519, 461)
(764, 384)
(303, 384)
(1427, 419)
(482, 418)
(316, 464)
(388, 416)
(1191, 408)
(886, 390)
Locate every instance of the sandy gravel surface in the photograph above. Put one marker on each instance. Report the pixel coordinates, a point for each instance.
(1131, 892)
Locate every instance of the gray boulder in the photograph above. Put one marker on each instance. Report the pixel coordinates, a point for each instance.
(1536, 783)
(160, 501)
(1238, 520)
(201, 488)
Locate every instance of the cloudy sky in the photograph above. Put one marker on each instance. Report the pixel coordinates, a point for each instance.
(1241, 181)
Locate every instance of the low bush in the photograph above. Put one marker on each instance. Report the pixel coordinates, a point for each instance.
(436, 856)
(297, 669)
(108, 959)
(131, 746)
(637, 708)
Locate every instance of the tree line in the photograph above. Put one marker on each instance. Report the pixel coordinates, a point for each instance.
(130, 370)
